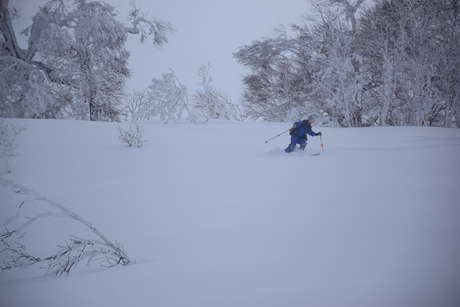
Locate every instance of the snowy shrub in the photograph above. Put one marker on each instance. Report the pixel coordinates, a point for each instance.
(213, 103)
(69, 255)
(133, 136)
(8, 134)
(168, 99)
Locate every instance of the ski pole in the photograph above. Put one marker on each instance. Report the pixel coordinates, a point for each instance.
(322, 146)
(276, 136)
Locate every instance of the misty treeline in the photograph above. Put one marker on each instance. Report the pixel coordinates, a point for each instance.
(384, 62)
(352, 62)
(76, 65)
(167, 99)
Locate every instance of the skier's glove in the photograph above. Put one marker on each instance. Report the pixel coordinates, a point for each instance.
(319, 133)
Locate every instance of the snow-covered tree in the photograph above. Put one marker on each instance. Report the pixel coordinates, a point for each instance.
(406, 46)
(75, 64)
(274, 87)
(337, 78)
(391, 63)
(447, 79)
(168, 98)
(212, 103)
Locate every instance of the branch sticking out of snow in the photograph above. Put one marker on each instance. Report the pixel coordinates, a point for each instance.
(68, 255)
(133, 136)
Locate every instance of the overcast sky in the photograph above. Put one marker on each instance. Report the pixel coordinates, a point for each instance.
(207, 31)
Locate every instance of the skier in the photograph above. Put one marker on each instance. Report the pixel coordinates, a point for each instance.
(299, 133)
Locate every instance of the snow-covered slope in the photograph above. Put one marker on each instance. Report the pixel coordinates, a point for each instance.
(214, 216)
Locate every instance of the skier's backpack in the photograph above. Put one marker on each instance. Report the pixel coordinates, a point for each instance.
(294, 128)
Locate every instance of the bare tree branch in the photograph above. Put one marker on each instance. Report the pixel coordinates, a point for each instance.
(73, 252)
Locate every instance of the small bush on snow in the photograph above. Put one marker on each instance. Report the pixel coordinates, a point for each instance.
(133, 136)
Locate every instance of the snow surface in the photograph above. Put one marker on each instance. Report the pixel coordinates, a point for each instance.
(214, 216)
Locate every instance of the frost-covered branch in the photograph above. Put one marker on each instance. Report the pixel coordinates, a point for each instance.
(349, 8)
(145, 27)
(213, 103)
(105, 251)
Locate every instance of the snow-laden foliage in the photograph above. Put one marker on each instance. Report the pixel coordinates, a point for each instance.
(75, 64)
(410, 50)
(274, 88)
(390, 63)
(338, 77)
(8, 145)
(167, 99)
(69, 255)
(211, 103)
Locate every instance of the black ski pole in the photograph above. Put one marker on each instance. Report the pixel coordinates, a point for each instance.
(276, 136)
(321, 138)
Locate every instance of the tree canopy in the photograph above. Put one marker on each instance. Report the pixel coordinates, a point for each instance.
(390, 63)
(75, 63)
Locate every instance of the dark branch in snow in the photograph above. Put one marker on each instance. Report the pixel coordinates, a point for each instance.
(106, 252)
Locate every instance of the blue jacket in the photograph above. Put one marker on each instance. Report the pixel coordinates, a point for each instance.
(301, 129)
